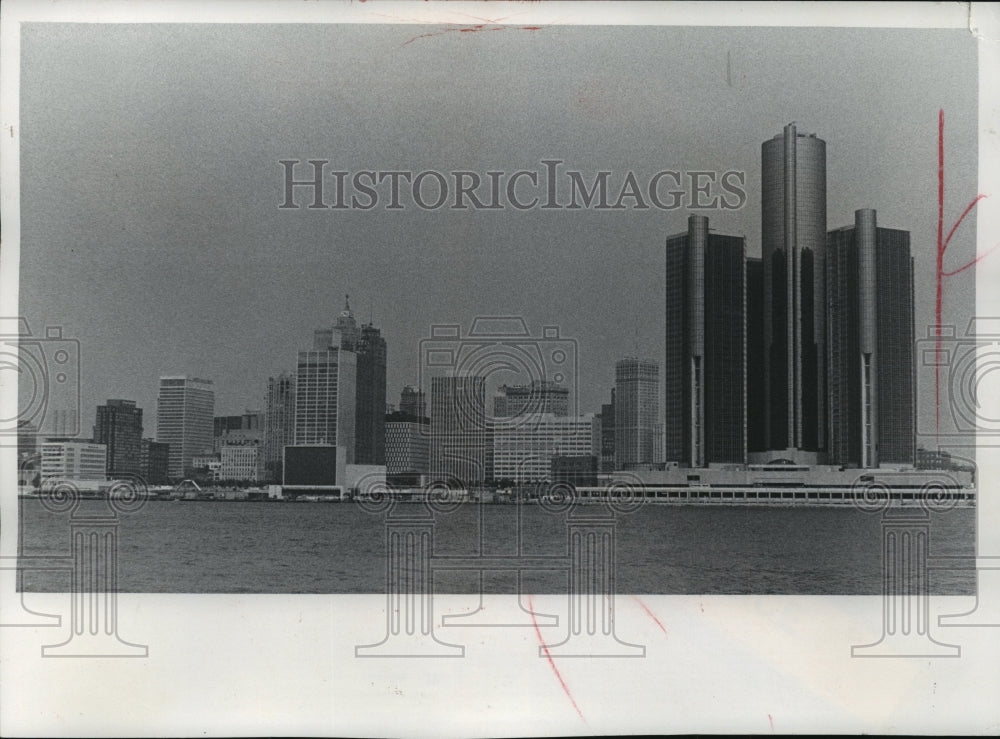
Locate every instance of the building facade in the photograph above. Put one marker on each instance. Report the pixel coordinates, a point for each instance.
(412, 402)
(793, 245)
(74, 461)
(279, 423)
(705, 370)
(540, 396)
(185, 410)
(155, 462)
(119, 428)
(524, 452)
(407, 448)
(242, 462)
(637, 412)
(460, 445)
(607, 457)
(871, 380)
(325, 395)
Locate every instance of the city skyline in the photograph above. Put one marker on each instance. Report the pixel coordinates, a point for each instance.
(183, 318)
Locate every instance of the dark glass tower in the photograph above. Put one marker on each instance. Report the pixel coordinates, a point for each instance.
(793, 240)
(705, 400)
(871, 380)
(119, 427)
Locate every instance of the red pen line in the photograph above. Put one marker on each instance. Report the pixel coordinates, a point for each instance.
(552, 663)
(650, 614)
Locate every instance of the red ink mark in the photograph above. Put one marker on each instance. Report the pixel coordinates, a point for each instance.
(552, 663)
(472, 29)
(941, 273)
(651, 614)
(770, 721)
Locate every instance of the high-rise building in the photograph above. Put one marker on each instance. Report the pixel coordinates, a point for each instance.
(369, 435)
(250, 422)
(75, 461)
(155, 462)
(459, 438)
(412, 402)
(607, 458)
(368, 415)
(705, 370)
(325, 395)
(119, 428)
(523, 452)
(871, 380)
(541, 396)
(184, 419)
(279, 423)
(407, 448)
(756, 379)
(793, 244)
(637, 412)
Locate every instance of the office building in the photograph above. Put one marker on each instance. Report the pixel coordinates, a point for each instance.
(407, 448)
(757, 440)
(325, 395)
(369, 435)
(241, 462)
(705, 370)
(607, 456)
(155, 462)
(460, 446)
(279, 423)
(119, 428)
(80, 462)
(637, 412)
(184, 419)
(793, 245)
(524, 452)
(541, 396)
(412, 402)
(871, 380)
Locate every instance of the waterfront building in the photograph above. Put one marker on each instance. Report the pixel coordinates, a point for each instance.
(119, 428)
(705, 370)
(369, 435)
(637, 412)
(871, 381)
(279, 423)
(325, 395)
(523, 452)
(407, 448)
(607, 456)
(243, 462)
(154, 462)
(460, 445)
(74, 461)
(793, 245)
(184, 419)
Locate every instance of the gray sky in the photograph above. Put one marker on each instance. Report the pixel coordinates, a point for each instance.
(150, 179)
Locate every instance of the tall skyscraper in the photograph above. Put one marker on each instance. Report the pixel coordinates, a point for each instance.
(637, 412)
(185, 409)
(369, 348)
(369, 435)
(119, 428)
(872, 395)
(607, 460)
(279, 422)
(412, 402)
(705, 370)
(459, 438)
(793, 244)
(541, 396)
(325, 395)
(757, 440)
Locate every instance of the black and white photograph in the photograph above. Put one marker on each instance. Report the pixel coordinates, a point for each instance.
(498, 369)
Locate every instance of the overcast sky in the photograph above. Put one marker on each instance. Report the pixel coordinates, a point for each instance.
(150, 180)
